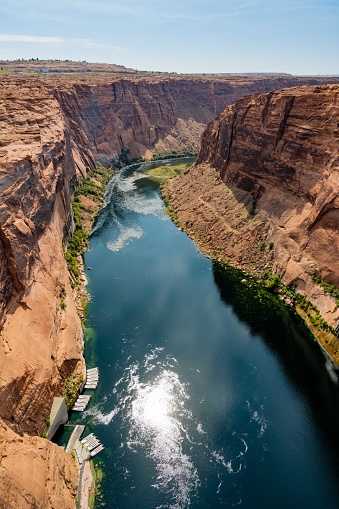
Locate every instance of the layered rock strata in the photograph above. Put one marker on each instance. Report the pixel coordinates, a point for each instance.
(40, 339)
(264, 191)
(41, 336)
(155, 113)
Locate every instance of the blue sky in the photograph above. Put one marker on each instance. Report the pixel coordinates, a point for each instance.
(299, 37)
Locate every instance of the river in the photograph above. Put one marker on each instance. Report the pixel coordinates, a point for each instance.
(212, 394)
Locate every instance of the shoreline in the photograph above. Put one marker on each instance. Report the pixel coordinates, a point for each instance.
(89, 208)
(86, 486)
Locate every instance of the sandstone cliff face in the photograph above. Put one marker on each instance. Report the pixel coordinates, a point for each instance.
(33, 473)
(40, 343)
(265, 188)
(144, 116)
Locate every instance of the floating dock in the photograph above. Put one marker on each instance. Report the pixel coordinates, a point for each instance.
(91, 382)
(89, 446)
(92, 444)
(81, 403)
(97, 450)
(92, 378)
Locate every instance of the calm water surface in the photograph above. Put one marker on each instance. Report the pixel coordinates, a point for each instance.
(210, 394)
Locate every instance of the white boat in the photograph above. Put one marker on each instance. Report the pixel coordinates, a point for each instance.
(92, 439)
(97, 450)
(93, 445)
(87, 438)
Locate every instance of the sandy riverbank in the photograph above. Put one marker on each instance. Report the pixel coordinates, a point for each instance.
(87, 482)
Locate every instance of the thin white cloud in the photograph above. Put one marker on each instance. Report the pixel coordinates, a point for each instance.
(36, 39)
(57, 41)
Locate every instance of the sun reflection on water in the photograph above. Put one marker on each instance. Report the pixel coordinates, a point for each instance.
(154, 405)
(163, 438)
(155, 416)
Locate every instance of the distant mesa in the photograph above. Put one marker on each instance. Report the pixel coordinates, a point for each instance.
(60, 66)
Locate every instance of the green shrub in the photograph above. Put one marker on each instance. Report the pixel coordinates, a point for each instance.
(174, 154)
(273, 283)
(77, 244)
(71, 388)
(72, 264)
(327, 287)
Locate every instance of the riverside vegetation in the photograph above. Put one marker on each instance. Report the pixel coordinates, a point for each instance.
(270, 286)
(272, 283)
(86, 204)
(125, 159)
(96, 496)
(174, 154)
(71, 389)
(165, 172)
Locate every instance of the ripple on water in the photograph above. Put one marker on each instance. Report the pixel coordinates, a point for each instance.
(119, 215)
(135, 201)
(155, 422)
(154, 411)
(125, 235)
(139, 204)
